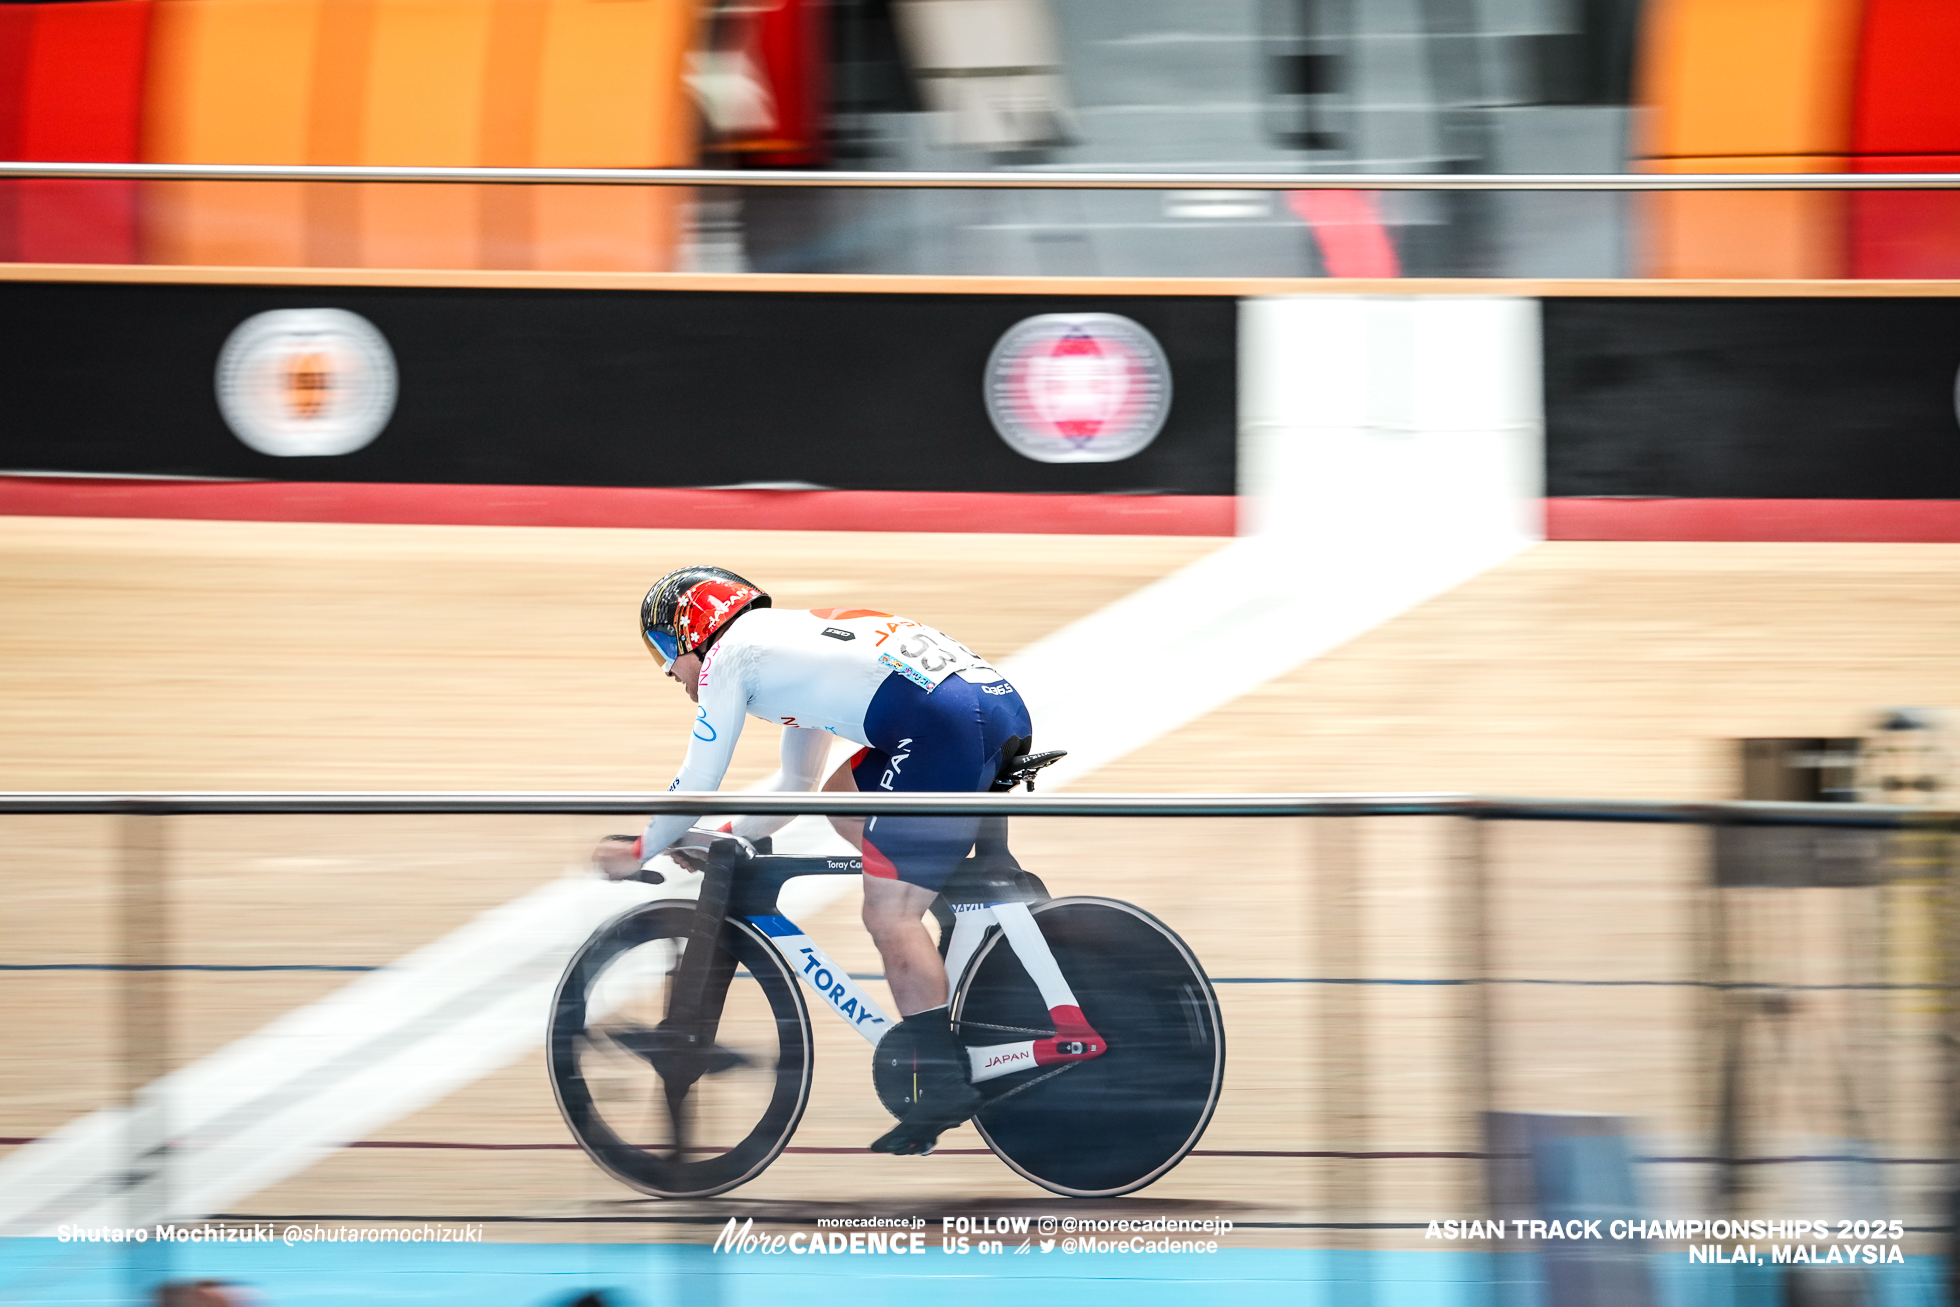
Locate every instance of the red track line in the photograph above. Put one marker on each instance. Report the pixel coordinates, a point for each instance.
(621, 506)
(1843, 521)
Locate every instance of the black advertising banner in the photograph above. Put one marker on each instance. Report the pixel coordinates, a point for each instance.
(601, 388)
(1752, 398)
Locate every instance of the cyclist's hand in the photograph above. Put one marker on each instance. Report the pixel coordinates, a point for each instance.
(691, 849)
(615, 857)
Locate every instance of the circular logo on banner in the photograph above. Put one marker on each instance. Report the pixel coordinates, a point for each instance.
(1078, 387)
(306, 383)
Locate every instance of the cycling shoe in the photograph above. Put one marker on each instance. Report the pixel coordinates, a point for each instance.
(919, 1132)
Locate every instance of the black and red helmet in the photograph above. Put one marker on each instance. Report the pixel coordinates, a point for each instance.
(686, 609)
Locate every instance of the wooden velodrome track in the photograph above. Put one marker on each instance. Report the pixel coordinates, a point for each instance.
(200, 655)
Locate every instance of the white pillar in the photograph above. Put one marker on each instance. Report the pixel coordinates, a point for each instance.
(1408, 422)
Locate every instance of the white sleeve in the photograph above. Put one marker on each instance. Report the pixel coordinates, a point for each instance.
(724, 704)
(804, 752)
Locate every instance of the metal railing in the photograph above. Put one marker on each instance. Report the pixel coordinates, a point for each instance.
(991, 181)
(1863, 816)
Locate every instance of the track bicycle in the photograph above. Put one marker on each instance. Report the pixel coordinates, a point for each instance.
(680, 1049)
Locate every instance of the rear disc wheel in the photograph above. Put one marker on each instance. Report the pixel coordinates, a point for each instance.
(1118, 1122)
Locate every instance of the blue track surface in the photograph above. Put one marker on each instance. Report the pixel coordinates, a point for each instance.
(44, 1271)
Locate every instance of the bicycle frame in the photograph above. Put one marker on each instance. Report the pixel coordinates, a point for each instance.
(748, 888)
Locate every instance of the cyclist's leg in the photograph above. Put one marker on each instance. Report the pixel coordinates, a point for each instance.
(893, 910)
(843, 782)
(913, 967)
(942, 1093)
(948, 740)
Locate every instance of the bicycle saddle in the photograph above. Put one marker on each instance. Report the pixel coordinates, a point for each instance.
(1017, 766)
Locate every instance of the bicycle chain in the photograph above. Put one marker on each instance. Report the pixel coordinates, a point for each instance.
(1012, 1030)
(1002, 1098)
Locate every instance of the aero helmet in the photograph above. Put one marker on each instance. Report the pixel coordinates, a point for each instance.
(685, 610)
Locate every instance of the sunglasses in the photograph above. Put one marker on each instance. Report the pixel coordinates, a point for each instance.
(664, 647)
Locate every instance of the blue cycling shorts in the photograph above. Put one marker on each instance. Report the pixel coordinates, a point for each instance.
(946, 741)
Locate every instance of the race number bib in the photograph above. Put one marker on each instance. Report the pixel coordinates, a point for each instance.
(925, 657)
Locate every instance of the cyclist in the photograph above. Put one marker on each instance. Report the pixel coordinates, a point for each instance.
(929, 714)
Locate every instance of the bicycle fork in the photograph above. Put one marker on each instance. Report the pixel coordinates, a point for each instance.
(1074, 1040)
